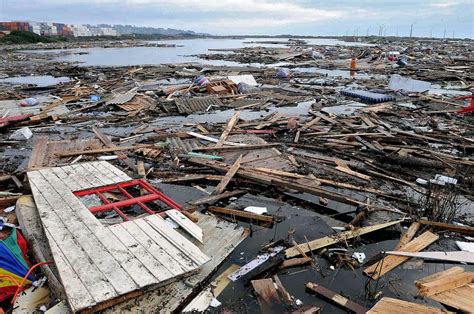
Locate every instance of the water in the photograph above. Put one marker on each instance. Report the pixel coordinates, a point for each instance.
(38, 80)
(340, 73)
(222, 116)
(183, 53)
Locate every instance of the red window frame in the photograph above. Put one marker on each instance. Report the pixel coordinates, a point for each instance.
(153, 195)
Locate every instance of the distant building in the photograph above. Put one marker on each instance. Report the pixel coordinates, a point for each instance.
(57, 29)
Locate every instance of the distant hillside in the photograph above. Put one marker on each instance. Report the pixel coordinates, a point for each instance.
(130, 29)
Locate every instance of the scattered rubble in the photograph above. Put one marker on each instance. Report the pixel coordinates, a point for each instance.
(308, 178)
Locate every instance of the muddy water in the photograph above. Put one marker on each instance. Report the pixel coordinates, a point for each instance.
(238, 296)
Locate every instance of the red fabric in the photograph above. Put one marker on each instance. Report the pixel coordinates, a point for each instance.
(23, 246)
(7, 292)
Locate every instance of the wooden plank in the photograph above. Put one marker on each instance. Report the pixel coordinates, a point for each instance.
(212, 139)
(446, 283)
(330, 240)
(64, 177)
(38, 153)
(221, 282)
(454, 256)
(103, 150)
(185, 223)
(460, 298)
(228, 176)
(119, 173)
(440, 225)
(78, 295)
(74, 178)
(230, 125)
(211, 199)
(297, 261)
(67, 207)
(92, 172)
(247, 147)
(107, 142)
(91, 277)
(177, 239)
(161, 249)
(336, 298)
(240, 213)
(390, 262)
(395, 306)
(408, 235)
(446, 273)
(267, 295)
(323, 116)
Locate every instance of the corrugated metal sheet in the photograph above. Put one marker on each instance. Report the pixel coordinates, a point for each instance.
(192, 105)
(123, 98)
(372, 98)
(179, 146)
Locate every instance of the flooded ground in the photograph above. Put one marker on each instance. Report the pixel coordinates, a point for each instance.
(38, 80)
(184, 52)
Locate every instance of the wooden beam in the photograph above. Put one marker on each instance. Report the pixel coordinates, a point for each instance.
(247, 147)
(408, 235)
(240, 213)
(296, 261)
(230, 125)
(103, 150)
(107, 142)
(440, 225)
(336, 298)
(446, 283)
(395, 306)
(336, 238)
(390, 262)
(211, 199)
(228, 176)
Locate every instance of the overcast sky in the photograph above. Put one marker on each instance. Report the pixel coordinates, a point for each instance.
(228, 17)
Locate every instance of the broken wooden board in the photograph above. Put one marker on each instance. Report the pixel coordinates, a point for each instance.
(445, 283)
(230, 125)
(100, 266)
(46, 153)
(336, 298)
(395, 306)
(211, 199)
(223, 237)
(390, 262)
(333, 239)
(241, 214)
(185, 223)
(228, 176)
(461, 298)
(271, 296)
(454, 256)
(408, 235)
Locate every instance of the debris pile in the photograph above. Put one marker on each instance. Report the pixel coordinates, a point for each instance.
(328, 178)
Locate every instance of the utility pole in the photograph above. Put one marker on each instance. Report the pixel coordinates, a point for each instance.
(453, 34)
(411, 30)
(444, 35)
(431, 33)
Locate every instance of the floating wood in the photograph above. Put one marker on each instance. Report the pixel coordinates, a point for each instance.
(230, 125)
(228, 176)
(336, 298)
(388, 263)
(240, 213)
(395, 306)
(445, 283)
(297, 261)
(211, 199)
(440, 225)
(336, 238)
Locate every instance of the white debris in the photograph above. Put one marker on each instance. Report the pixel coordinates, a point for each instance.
(446, 179)
(112, 157)
(421, 181)
(398, 82)
(9, 209)
(360, 257)
(22, 134)
(215, 303)
(256, 210)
